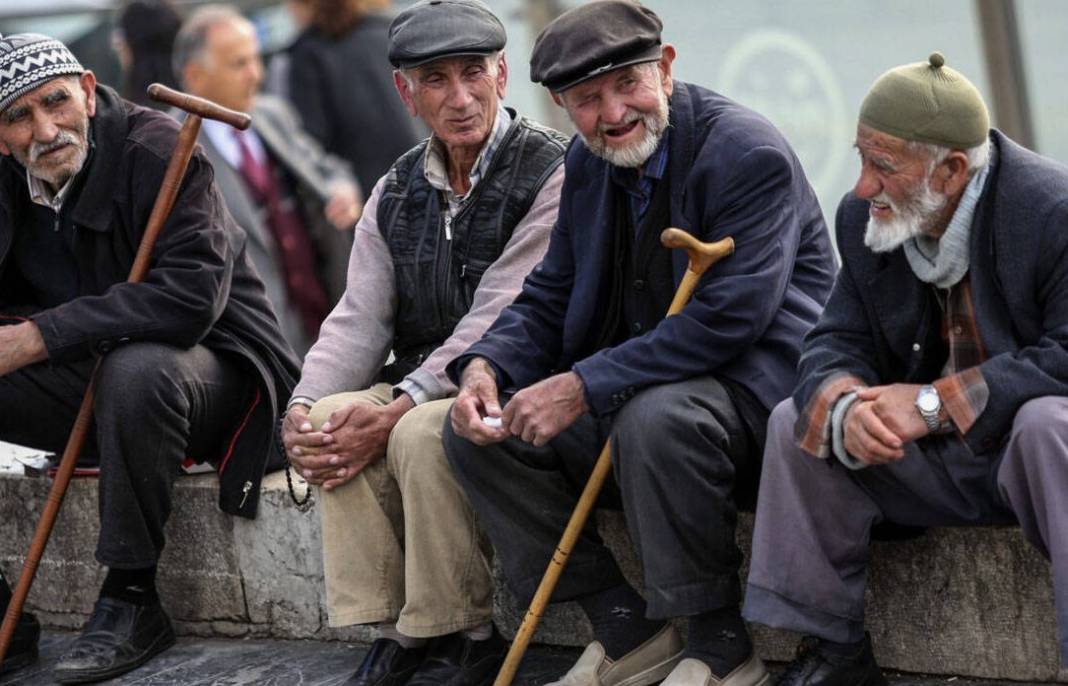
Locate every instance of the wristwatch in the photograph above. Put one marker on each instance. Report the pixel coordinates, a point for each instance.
(929, 404)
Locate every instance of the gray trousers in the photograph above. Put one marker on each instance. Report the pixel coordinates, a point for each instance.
(679, 452)
(814, 517)
(154, 406)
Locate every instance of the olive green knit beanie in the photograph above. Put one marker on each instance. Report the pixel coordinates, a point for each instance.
(927, 102)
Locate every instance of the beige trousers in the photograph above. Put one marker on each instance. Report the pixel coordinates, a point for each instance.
(400, 542)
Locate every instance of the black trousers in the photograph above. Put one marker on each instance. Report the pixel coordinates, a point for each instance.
(684, 455)
(154, 406)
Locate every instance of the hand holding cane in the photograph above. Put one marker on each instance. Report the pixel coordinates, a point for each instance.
(701, 256)
(197, 108)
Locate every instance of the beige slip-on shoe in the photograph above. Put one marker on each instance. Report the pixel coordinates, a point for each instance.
(691, 672)
(647, 664)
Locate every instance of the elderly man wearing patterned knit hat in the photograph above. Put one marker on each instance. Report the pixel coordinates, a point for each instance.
(932, 390)
(190, 362)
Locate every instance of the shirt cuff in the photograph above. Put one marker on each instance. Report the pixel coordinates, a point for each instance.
(300, 400)
(964, 395)
(417, 393)
(838, 431)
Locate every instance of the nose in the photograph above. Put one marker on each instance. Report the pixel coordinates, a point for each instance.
(44, 129)
(867, 185)
(459, 96)
(613, 110)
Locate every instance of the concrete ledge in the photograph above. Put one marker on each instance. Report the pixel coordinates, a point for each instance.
(974, 602)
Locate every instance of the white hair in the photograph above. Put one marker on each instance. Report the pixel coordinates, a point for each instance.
(978, 156)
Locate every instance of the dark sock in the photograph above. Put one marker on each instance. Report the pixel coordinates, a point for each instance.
(5, 591)
(842, 649)
(618, 618)
(137, 586)
(719, 639)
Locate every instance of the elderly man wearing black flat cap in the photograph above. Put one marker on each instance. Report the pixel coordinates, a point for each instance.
(584, 353)
(445, 240)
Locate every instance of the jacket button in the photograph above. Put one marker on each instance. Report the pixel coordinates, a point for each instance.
(915, 347)
(104, 347)
(639, 285)
(636, 327)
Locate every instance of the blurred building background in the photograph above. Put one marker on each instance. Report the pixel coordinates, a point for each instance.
(805, 65)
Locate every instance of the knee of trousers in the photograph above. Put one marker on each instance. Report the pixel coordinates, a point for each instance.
(460, 453)
(327, 405)
(656, 418)
(1041, 424)
(415, 447)
(137, 379)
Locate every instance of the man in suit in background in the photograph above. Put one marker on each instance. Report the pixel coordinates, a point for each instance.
(297, 202)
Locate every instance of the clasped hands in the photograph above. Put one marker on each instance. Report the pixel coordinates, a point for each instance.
(881, 421)
(353, 437)
(536, 414)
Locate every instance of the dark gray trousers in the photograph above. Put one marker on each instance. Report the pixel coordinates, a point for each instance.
(679, 451)
(155, 405)
(814, 517)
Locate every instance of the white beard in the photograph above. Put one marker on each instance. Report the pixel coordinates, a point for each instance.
(913, 217)
(635, 154)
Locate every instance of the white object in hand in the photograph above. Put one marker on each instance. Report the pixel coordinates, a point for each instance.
(492, 422)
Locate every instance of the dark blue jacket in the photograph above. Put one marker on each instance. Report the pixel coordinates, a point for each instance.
(878, 323)
(732, 174)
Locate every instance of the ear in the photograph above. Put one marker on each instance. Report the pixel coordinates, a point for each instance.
(667, 56)
(502, 76)
(192, 77)
(951, 177)
(4, 150)
(405, 93)
(557, 99)
(88, 83)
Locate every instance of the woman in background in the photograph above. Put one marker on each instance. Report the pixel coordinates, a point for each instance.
(143, 39)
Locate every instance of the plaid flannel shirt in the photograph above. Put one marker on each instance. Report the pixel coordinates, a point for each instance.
(962, 388)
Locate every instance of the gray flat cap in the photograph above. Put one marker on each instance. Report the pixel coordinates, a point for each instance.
(432, 29)
(592, 39)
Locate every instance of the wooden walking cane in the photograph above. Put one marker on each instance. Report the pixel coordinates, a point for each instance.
(702, 256)
(197, 109)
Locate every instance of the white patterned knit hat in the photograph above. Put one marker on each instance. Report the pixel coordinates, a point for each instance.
(28, 60)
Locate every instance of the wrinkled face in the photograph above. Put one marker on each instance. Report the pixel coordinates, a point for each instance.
(47, 129)
(621, 115)
(229, 70)
(896, 180)
(457, 97)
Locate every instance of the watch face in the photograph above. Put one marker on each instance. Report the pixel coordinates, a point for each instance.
(928, 400)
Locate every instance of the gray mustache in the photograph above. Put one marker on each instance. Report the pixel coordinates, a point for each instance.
(61, 139)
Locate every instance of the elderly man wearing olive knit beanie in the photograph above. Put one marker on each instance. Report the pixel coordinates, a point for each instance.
(932, 390)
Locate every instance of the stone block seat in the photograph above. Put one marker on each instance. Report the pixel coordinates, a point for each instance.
(975, 602)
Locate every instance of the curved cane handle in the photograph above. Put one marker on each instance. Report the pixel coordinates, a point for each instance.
(198, 106)
(702, 255)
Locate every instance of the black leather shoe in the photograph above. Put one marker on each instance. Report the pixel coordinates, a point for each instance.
(815, 666)
(454, 660)
(23, 648)
(118, 637)
(388, 663)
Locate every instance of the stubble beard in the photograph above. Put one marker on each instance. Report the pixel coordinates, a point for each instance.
(633, 155)
(58, 174)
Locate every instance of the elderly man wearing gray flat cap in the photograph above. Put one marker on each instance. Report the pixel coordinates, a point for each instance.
(933, 388)
(447, 236)
(585, 353)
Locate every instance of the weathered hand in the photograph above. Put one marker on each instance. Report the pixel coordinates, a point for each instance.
(867, 438)
(344, 207)
(300, 439)
(895, 405)
(20, 345)
(477, 399)
(359, 435)
(539, 412)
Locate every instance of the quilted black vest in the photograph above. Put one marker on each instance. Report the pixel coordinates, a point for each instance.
(436, 278)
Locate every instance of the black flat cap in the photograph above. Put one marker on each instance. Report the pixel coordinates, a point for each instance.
(431, 29)
(592, 39)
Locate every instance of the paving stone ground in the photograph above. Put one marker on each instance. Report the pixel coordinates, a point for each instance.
(222, 662)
